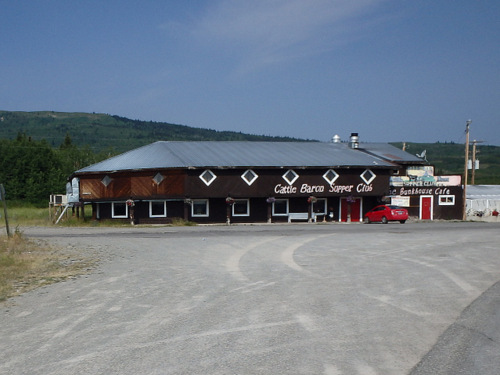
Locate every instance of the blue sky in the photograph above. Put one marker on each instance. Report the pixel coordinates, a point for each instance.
(390, 70)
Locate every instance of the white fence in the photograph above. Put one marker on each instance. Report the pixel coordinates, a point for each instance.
(482, 209)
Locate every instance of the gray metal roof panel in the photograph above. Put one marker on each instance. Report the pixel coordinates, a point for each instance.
(390, 152)
(483, 192)
(178, 154)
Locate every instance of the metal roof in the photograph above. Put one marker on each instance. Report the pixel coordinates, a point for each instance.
(483, 192)
(391, 153)
(233, 154)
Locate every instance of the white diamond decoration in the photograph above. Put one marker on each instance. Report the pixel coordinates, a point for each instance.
(208, 177)
(331, 176)
(290, 176)
(367, 176)
(249, 176)
(158, 178)
(106, 180)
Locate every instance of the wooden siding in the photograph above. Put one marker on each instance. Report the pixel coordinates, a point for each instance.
(138, 185)
(91, 188)
(229, 182)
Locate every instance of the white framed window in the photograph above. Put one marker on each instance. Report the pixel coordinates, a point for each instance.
(208, 177)
(249, 176)
(319, 207)
(119, 210)
(290, 176)
(157, 209)
(200, 208)
(241, 207)
(446, 200)
(330, 176)
(367, 176)
(280, 207)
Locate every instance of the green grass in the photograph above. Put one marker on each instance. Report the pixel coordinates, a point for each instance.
(22, 214)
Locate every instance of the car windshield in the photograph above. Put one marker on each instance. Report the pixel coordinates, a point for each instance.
(394, 207)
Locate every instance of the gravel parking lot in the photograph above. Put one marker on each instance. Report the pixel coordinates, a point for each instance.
(266, 299)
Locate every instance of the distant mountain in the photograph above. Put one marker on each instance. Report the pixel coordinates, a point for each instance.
(104, 132)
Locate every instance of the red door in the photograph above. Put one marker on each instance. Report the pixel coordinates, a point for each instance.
(426, 207)
(353, 209)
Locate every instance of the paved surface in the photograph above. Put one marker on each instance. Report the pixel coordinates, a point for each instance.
(271, 299)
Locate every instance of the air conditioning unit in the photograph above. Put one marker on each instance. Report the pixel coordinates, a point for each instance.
(58, 199)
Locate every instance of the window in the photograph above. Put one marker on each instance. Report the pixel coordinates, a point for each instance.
(280, 207)
(319, 207)
(106, 180)
(249, 176)
(119, 210)
(368, 176)
(158, 178)
(446, 200)
(208, 177)
(199, 208)
(290, 176)
(157, 209)
(330, 176)
(241, 207)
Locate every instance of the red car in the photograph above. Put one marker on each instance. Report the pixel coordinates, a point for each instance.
(384, 214)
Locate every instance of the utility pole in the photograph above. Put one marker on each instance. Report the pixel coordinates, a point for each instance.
(474, 142)
(2, 198)
(467, 125)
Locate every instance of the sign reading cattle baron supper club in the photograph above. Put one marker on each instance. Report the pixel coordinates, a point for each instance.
(345, 184)
(315, 189)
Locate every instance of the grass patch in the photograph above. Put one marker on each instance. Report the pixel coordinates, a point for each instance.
(26, 264)
(179, 222)
(22, 214)
(26, 214)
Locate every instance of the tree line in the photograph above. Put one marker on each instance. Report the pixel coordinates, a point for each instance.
(31, 170)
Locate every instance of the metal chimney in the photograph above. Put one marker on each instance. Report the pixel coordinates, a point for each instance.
(354, 140)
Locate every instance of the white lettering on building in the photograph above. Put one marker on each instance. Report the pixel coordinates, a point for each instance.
(280, 189)
(341, 189)
(309, 189)
(422, 191)
(363, 188)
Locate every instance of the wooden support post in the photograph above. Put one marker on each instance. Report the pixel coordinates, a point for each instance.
(2, 198)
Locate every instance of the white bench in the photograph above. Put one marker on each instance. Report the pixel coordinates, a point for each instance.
(300, 216)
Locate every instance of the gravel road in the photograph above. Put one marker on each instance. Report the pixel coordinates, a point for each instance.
(331, 299)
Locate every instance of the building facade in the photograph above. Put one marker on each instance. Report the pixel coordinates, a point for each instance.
(243, 182)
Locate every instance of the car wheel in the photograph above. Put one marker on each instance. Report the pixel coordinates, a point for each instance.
(384, 220)
(367, 220)
(402, 221)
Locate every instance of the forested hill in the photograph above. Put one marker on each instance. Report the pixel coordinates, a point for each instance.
(449, 158)
(96, 135)
(104, 132)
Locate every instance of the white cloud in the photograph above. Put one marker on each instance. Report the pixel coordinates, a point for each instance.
(268, 31)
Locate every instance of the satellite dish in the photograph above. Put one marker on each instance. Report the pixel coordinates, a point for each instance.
(422, 155)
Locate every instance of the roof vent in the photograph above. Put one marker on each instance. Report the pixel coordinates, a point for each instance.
(354, 140)
(336, 138)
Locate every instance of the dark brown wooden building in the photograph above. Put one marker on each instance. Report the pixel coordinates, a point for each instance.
(242, 182)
